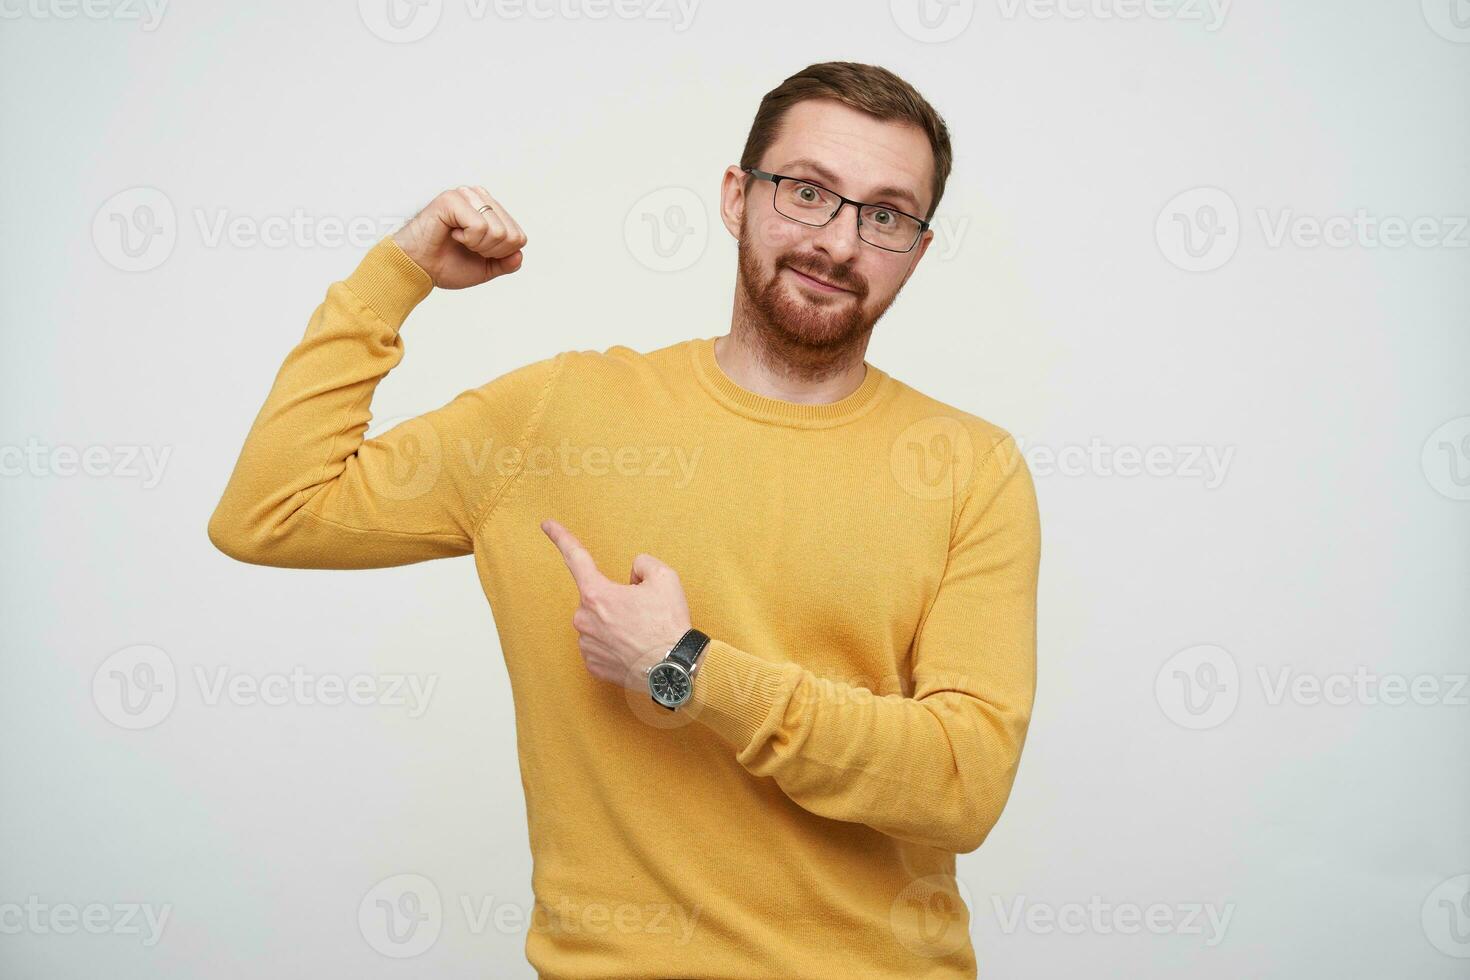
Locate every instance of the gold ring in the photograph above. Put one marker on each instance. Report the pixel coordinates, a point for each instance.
(483, 208)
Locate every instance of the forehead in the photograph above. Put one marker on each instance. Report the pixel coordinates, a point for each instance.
(870, 159)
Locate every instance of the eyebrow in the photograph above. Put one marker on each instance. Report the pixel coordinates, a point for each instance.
(831, 178)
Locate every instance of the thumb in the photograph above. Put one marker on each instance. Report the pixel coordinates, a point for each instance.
(645, 566)
(505, 266)
(494, 268)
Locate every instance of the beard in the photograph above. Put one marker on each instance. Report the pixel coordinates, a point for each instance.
(813, 333)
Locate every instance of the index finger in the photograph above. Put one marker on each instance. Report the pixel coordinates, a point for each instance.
(579, 560)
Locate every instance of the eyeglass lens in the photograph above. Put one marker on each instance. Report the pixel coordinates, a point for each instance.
(814, 205)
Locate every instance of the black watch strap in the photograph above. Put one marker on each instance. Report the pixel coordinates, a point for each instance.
(689, 647)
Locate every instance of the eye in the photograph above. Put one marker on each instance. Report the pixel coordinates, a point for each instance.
(884, 217)
(807, 193)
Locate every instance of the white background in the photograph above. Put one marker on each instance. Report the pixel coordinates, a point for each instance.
(1059, 301)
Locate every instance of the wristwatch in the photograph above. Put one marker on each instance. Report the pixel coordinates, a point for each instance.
(671, 680)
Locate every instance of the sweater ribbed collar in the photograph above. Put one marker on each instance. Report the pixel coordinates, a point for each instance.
(778, 411)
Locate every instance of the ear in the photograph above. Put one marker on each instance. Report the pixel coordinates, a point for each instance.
(732, 199)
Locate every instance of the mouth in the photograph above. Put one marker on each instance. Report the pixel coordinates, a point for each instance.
(818, 284)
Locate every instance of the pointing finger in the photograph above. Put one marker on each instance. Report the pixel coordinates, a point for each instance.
(579, 560)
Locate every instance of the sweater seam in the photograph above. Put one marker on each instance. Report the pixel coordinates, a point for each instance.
(754, 415)
(456, 538)
(321, 479)
(365, 396)
(983, 460)
(882, 389)
(491, 497)
(949, 553)
(808, 424)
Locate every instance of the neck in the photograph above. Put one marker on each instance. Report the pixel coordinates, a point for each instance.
(767, 366)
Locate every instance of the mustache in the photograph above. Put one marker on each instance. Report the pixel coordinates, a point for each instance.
(837, 275)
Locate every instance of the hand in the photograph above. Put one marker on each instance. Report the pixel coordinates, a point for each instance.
(624, 629)
(457, 244)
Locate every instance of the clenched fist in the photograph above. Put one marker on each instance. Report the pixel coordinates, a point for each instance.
(460, 242)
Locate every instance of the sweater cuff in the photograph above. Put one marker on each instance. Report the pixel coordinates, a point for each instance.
(735, 692)
(390, 282)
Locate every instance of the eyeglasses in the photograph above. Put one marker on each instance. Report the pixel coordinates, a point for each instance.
(812, 204)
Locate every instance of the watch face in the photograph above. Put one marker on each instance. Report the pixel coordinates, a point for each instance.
(669, 684)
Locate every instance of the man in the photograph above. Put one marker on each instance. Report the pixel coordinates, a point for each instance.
(813, 693)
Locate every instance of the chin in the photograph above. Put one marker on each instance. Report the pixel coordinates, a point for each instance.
(813, 330)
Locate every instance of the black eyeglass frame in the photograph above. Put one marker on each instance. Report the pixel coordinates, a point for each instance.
(857, 206)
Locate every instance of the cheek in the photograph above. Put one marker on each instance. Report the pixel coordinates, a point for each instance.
(771, 236)
(884, 280)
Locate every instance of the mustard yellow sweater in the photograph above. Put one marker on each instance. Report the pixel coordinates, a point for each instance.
(866, 569)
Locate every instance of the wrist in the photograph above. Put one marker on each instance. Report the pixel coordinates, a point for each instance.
(671, 679)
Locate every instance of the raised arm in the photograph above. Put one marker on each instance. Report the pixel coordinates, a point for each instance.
(935, 768)
(307, 490)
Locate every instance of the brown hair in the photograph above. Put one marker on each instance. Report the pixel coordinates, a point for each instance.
(869, 88)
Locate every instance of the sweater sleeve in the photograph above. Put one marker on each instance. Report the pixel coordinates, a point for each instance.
(309, 492)
(935, 768)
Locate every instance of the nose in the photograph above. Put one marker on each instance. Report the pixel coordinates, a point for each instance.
(839, 237)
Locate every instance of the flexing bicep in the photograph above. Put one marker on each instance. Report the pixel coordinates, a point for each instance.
(308, 491)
